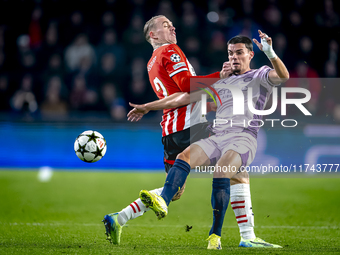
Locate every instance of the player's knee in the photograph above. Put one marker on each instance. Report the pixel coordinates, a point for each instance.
(178, 194)
(240, 178)
(185, 156)
(181, 156)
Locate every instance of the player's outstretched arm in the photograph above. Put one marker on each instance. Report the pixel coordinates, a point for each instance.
(280, 73)
(173, 101)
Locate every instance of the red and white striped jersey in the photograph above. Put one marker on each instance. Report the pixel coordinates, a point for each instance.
(165, 68)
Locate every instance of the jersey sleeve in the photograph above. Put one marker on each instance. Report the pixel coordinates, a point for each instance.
(178, 70)
(174, 61)
(263, 75)
(188, 83)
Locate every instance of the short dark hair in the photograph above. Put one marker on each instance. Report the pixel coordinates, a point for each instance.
(241, 39)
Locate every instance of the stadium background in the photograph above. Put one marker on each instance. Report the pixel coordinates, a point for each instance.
(66, 68)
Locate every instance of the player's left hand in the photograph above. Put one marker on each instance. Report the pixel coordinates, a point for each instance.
(264, 37)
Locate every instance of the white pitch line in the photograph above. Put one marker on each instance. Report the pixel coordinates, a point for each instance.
(158, 225)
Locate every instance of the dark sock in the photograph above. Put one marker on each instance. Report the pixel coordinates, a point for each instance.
(219, 200)
(177, 175)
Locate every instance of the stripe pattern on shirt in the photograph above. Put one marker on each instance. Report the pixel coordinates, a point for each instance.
(176, 120)
(178, 71)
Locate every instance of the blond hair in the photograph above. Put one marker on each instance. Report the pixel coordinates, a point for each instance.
(149, 26)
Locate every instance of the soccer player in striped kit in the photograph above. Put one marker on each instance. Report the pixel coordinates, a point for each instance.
(230, 146)
(169, 73)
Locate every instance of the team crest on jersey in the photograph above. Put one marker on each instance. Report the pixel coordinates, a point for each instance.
(175, 58)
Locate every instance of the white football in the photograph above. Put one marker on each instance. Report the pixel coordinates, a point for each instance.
(90, 146)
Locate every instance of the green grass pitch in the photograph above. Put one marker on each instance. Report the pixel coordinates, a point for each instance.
(64, 215)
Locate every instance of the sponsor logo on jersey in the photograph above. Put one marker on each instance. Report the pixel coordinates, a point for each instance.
(175, 58)
(248, 79)
(151, 63)
(178, 65)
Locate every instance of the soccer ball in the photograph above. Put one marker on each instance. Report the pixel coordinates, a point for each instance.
(90, 146)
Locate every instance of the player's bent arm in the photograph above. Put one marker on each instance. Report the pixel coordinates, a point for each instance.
(280, 73)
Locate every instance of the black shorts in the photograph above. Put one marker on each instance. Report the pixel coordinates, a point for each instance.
(177, 142)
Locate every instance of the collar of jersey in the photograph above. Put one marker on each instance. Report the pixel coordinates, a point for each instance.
(244, 73)
(162, 46)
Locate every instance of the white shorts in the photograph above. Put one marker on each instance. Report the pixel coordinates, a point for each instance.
(217, 145)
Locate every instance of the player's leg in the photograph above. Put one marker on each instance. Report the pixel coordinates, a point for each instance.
(185, 139)
(220, 195)
(173, 145)
(191, 156)
(196, 133)
(135, 209)
(240, 201)
(114, 222)
(240, 198)
(179, 193)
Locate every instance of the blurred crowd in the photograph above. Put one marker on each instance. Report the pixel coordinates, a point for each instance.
(62, 58)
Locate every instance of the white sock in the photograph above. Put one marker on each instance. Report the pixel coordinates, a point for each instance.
(135, 209)
(241, 203)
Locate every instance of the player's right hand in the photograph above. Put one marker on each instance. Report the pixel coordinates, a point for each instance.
(226, 70)
(137, 112)
(133, 116)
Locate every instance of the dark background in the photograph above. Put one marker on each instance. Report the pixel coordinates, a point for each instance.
(84, 60)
